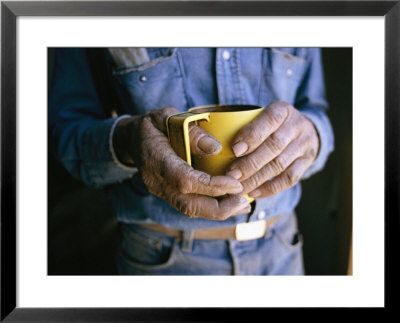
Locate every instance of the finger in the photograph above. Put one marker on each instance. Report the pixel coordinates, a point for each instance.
(246, 166)
(159, 116)
(277, 166)
(164, 162)
(200, 206)
(283, 181)
(190, 181)
(245, 210)
(202, 143)
(255, 133)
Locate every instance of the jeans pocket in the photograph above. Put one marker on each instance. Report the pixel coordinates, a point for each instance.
(291, 241)
(287, 253)
(146, 251)
(288, 235)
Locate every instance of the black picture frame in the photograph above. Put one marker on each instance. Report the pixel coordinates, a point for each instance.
(10, 10)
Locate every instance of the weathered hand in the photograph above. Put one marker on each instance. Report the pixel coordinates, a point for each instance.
(275, 149)
(143, 140)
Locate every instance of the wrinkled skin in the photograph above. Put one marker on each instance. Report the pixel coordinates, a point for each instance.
(273, 153)
(274, 150)
(142, 141)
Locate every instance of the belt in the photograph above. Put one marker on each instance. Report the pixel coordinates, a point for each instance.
(240, 232)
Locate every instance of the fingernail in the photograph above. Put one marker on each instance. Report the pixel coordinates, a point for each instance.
(240, 148)
(255, 193)
(235, 173)
(208, 144)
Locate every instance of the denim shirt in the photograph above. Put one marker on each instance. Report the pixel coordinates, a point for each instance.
(150, 78)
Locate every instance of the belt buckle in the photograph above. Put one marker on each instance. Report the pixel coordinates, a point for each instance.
(250, 230)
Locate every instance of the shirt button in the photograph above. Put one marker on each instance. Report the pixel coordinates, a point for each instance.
(143, 78)
(226, 55)
(289, 72)
(262, 215)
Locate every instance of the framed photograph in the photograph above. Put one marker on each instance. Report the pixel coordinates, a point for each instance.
(47, 272)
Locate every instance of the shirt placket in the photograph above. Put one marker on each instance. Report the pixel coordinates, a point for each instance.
(230, 90)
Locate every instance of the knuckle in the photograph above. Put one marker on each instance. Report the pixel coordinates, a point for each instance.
(158, 117)
(276, 168)
(195, 129)
(184, 185)
(279, 112)
(184, 207)
(182, 204)
(288, 179)
(254, 181)
(204, 179)
(291, 178)
(221, 213)
(311, 153)
(153, 112)
(256, 135)
(258, 179)
(223, 216)
(250, 164)
(195, 134)
(164, 165)
(274, 187)
(296, 178)
(168, 111)
(146, 124)
(276, 142)
(191, 210)
(309, 137)
(279, 164)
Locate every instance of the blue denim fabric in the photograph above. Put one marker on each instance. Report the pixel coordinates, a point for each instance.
(146, 252)
(182, 78)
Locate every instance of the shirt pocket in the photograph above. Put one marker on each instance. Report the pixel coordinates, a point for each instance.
(283, 71)
(156, 82)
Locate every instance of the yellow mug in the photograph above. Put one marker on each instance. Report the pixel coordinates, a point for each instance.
(222, 121)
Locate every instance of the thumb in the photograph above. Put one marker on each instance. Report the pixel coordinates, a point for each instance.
(203, 143)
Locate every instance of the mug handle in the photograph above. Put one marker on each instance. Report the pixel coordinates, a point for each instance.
(178, 132)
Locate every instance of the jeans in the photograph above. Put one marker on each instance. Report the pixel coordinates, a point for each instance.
(147, 252)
